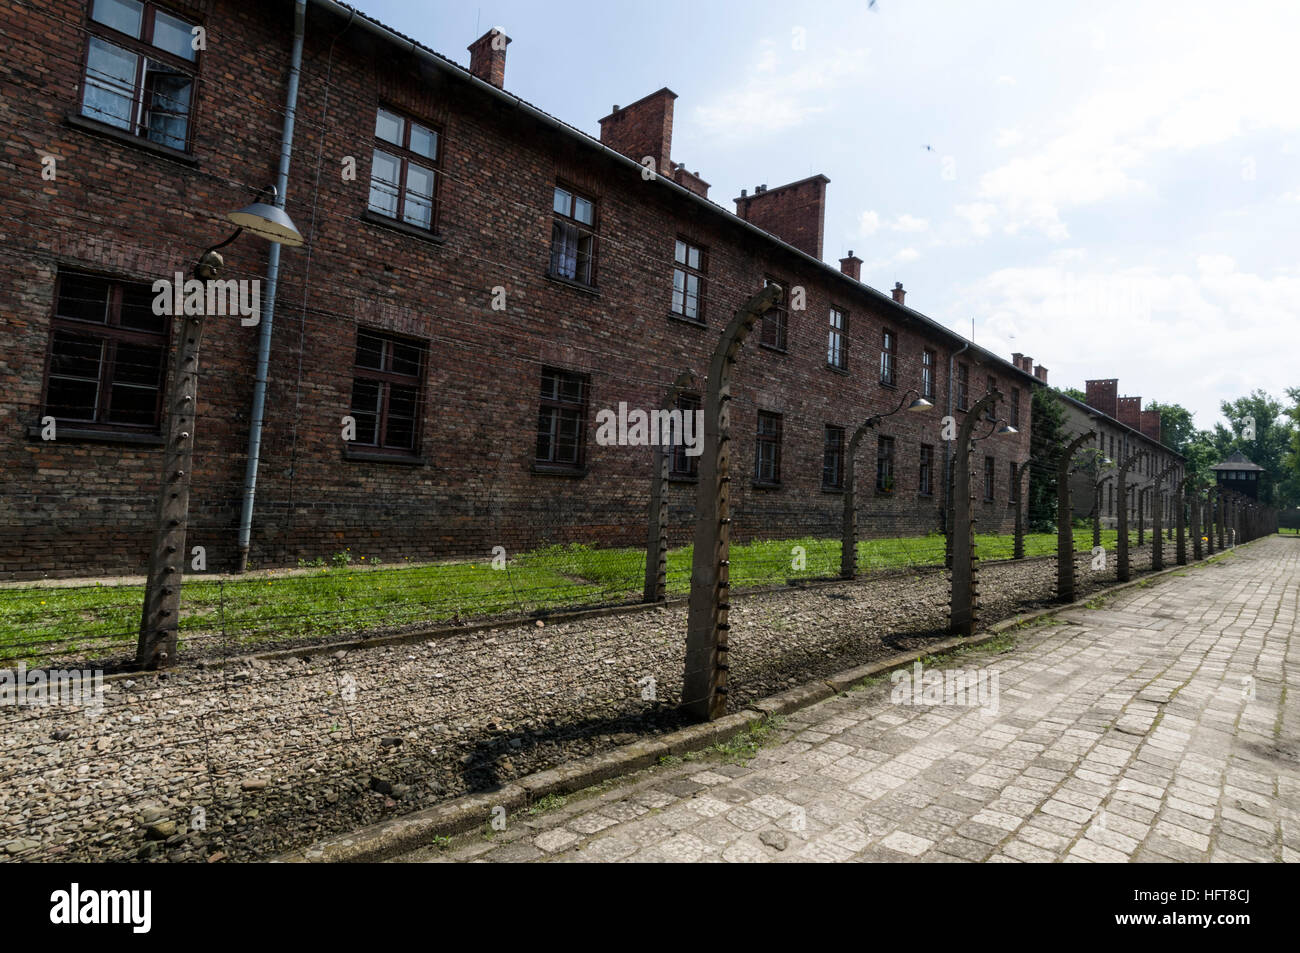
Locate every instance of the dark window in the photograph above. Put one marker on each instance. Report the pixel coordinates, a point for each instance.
(888, 346)
(404, 170)
(684, 465)
(573, 236)
(991, 412)
(925, 481)
(885, 465)
(772, 332)
(1015, 407)
(837, 345)
(140, 71)
(108, 354)
(561, 420)
(927, 375)
(767, 455)
(833, 458)
(688, 281)
(963, 387)
(386, 384)
(988, 479)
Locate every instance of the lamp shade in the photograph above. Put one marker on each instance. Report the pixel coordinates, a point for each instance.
(1007, 429)
(269, 222)
(920, 404)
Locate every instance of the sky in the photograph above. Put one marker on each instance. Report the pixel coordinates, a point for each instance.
(1112, 188)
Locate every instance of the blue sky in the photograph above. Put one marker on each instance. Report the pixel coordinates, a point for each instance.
(1112, 188)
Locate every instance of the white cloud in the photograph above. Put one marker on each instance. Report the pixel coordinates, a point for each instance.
(780, 91)
(868, 223)
(1191, 337)
(909, 223)
(1187, 95)
(1006, 138)
(1005, 80)
(977, 216)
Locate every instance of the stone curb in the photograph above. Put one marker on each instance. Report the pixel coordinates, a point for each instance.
(399, 835)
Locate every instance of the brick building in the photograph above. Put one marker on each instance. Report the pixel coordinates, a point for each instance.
(485, 282)
(1123, 429)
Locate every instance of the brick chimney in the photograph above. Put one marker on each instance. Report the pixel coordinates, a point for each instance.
(1151, 424)
(794, 213)
(1041, 373)
(487, 57)
(898, 292)
(644, 129)
(852, 266)
(690, 180)
(1130, 412)
(1027, 365)
(1017, 360)
(1102, 395)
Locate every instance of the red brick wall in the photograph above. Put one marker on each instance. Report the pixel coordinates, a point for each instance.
(1130, 412)
(795, 213)
(72, 506)
(1103, 395)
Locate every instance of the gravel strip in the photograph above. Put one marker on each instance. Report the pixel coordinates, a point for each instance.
(263, 756)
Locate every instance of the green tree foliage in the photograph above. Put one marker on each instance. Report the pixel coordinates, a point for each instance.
(1074, 392)
(1176, 427)
(1047, 442)
(1272, 442)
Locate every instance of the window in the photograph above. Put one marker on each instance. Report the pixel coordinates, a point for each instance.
(837, 346)
(963, 386)
(888, 344)
(885, 465)
(988, 479)
(772, 332)
(386, 385)
(833, 459)
(767, 462)
(1015, 407)
(404, 170)
(688, 281)
(925, 481)
(561, 420)
(927, 375)
(108, 355)
(140, 71)
(683, 465)
(573, 236)
(991, 412)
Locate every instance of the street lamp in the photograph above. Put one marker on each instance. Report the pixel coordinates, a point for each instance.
(160, 617)
(848, 527)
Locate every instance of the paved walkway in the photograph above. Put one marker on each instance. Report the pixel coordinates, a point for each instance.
(1164, 726)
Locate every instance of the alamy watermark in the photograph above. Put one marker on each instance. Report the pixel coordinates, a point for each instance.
(84, 687)
(215, 297)
(953, 686)
(655, 428)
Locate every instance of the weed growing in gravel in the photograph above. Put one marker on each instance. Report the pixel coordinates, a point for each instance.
(744, 746)
(549, 803)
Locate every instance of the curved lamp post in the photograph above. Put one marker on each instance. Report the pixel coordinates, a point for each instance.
(848, 529)
(160, 617)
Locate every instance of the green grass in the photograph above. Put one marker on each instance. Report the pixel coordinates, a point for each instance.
(269, 606)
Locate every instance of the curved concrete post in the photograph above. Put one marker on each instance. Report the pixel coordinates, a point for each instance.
(1121, 490)
(1157, 517)
(1207, 524)
(965, 593)
(1194, 503)
(1065, 521)
(1182, 492)
(1018, 494)
(656, 550)
(704, 682)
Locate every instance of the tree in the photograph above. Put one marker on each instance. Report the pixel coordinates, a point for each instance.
(1074, 392)
(1176, 427)
(1046, 444)
(1272, 439)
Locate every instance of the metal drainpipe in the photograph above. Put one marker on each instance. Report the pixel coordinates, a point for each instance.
(272, 280)
(947, 444)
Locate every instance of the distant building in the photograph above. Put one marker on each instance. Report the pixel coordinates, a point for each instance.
(1239, 474)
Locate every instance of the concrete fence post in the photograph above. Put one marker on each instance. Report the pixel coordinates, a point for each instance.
(160, 618)
(1121, 543)
(1182, 490)
(1194, 503)
(965, 591)
(656, 551)
(1065, 521)
(704, 681)
(1018, 494)
(1158, 517)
